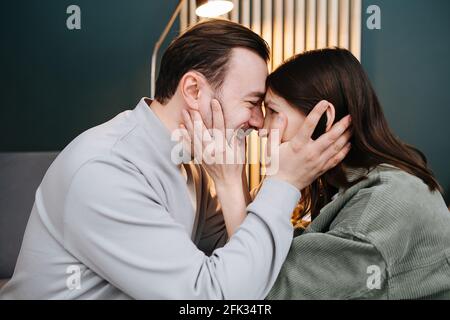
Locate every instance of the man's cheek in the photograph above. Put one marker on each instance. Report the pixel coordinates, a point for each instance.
(228, 118)
(245, 117)
(235, 116)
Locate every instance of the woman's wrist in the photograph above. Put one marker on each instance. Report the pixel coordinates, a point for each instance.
(228, 184)
(232, 200)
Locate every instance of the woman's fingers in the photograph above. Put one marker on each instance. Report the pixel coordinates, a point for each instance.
(192, 130)
(187, 141)
(219, 129)
(185, 134)
(188, 123)
(200, 128)
(218, 119)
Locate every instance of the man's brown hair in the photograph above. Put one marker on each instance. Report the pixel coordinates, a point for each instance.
(205, 48)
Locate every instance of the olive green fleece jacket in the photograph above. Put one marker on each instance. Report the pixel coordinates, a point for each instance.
(387, 237)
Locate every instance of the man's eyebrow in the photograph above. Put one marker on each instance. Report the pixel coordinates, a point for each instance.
(256, 94)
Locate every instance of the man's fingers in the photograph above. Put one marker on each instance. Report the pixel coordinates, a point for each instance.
(338, 158)
(338, 129)
(310, 123)
(337, 146)
(277, 128)
(279, 125)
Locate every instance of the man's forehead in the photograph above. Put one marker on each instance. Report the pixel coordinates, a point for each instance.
(245, 85)
(246, 74)
(247, 62)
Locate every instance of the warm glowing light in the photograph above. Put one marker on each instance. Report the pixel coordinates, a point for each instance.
(214, 8)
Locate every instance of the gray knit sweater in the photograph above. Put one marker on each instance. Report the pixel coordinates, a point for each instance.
(113, 219)
(387, 237)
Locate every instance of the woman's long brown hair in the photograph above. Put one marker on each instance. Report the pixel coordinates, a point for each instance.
(337, 76)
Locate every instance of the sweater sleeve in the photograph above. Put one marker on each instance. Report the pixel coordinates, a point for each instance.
(116, 225)
(331, 266)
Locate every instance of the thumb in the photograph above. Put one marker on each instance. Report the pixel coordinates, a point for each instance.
(277, 129)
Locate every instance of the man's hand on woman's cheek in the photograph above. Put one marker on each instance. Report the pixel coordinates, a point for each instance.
(302, 160)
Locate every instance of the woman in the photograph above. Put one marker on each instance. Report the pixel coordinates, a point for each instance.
(376, 226)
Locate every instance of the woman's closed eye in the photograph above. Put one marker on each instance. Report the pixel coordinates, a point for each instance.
(270, 110)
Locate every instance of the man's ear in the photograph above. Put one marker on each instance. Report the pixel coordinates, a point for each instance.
(191, 85)
(331, 115)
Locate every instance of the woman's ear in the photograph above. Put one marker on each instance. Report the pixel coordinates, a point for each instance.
(190, 88)
(331, 115)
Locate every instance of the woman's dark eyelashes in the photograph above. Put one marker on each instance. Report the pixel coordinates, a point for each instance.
(270, 110)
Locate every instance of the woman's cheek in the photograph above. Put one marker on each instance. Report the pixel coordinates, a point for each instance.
(287, 134)
(293, 126)
(267, 123)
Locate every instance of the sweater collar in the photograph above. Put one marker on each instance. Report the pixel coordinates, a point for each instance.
(328, 213)
(354, 174)
(155, 129)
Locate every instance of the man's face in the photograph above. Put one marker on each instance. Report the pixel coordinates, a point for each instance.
(243, 90)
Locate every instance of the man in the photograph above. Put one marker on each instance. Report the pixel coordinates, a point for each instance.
(114, 218)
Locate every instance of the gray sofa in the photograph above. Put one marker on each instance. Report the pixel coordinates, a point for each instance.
(20, 175)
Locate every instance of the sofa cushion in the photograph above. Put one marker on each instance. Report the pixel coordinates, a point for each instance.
(20, 176)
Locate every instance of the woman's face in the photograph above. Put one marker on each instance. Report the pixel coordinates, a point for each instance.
(274, 105)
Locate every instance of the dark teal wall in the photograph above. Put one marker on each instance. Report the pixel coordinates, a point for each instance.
(56, 83)
(408, 61)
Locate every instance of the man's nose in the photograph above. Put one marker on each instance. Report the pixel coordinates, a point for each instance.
(256, 119)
